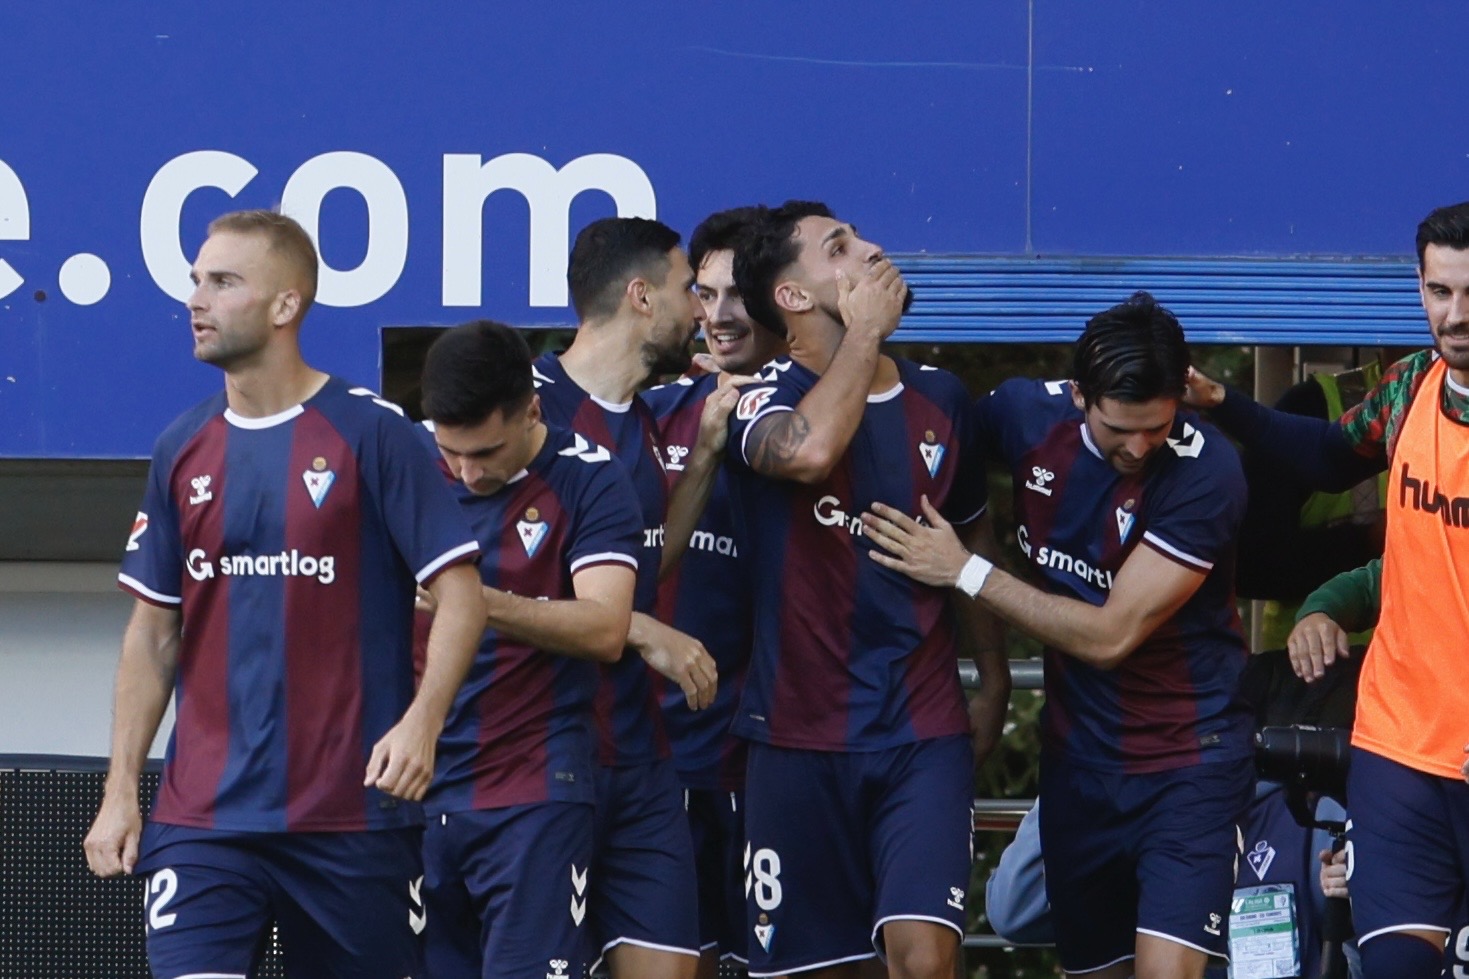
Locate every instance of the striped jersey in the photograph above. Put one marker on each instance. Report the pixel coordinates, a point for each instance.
(707, 597)
(849, 655)
(290, 545)
(1173, 701)
(628, 721)
(520, 730)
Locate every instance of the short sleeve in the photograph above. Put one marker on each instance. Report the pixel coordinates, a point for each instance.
(426, 523)
(774, 394)
(1195, 516)
(152, 565)
(609, 524)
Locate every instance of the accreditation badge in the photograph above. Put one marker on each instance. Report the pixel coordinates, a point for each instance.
(1264, 942)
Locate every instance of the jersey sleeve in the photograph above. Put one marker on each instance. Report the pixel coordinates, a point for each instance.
(609, 523)
(774, 394)
(997, 418)
(1195, 518)
(1318, 452)
(152, 562)
(426, 523)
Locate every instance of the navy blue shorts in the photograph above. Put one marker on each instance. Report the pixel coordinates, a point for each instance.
(507, 891)
(346, 904)
(717, 825)
(1152, 854)
(840, 843)
(643, 862)
(1409, 847)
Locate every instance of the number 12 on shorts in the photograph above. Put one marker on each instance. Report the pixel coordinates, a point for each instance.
(162, 886)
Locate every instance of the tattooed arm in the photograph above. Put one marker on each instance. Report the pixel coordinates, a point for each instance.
(805, 443)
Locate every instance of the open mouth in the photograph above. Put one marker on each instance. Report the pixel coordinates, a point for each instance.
(723, 338)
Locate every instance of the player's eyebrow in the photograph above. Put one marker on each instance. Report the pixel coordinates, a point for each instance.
(837, 232)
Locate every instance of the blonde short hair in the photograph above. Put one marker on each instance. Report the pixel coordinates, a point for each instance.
(286, 237)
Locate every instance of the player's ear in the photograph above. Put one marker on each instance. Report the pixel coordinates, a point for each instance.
(1076, 397)
(792, 298)
(286, 308)
(533, 411)
(637, 294)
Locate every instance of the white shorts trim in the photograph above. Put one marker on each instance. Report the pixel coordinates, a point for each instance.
(1396, 928)
(1179, 941)
(1099, 968)
(640, 944)
(814, 965)
(914, 917)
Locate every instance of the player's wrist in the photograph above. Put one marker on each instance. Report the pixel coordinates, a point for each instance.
(973, 575)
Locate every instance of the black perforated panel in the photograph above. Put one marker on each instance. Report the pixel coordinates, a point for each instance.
(57, 921)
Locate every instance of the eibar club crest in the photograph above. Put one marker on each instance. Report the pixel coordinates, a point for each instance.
(764, 931)
(1125, 518)
(932, 452)
(318, 480)
(532, 531)
(1260, 858)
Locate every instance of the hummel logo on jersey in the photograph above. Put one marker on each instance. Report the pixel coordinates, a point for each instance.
(1431, 500)
(1125, 517)
(932, 452)
(1190, 444)
(578, 897)
(532, 531)
(956, 898)
(202, 493)
(318, 480)
(1213, 926)
(751, 402)
(538, 378)
(1040, 476)
(764, 932)
(558, 969)
(417, 913)
(586, 451)
(140, 526)
(1260, 858)
(676, 456)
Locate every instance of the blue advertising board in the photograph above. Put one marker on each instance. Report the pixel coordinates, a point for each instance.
(444, 155)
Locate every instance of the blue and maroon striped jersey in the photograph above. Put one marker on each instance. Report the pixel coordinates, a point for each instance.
(520, 730)
(849, 655)
(628, 722)
(291, 545)
(708, 597)
(1173, 701)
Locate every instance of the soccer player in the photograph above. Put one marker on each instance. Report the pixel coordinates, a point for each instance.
(631, 288)
(508, 845)
(708, 597)
(283, 527)
(1406, 793)
(860, 770)
(1128, 511)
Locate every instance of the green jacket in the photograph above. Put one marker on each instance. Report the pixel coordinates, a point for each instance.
(1352, 599)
